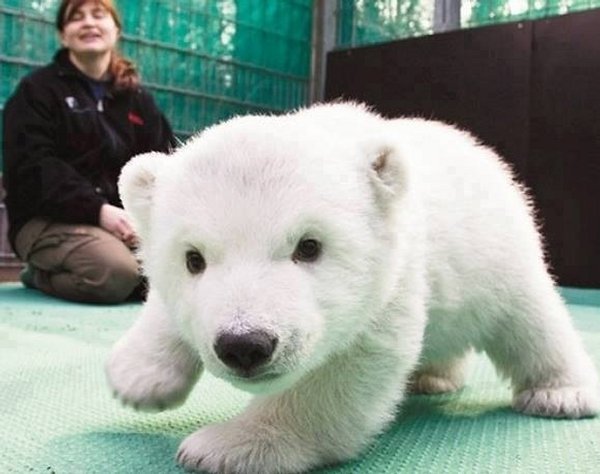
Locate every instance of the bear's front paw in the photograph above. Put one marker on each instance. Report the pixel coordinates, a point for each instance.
(235, 447)
(151, 382)
(560, 402)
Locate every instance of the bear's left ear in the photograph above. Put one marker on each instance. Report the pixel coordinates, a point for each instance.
(387, 173)
(137, 185)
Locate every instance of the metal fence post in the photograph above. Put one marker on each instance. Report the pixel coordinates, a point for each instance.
(446, 15)
(323, 41)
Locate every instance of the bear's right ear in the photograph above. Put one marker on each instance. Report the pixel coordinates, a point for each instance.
(387, 173)
(137, 184)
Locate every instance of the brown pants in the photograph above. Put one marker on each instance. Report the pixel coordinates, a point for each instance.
(77, 262)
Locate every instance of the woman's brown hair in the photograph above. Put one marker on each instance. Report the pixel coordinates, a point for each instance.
(123, 70)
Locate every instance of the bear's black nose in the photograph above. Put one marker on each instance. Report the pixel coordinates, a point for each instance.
(245, 352)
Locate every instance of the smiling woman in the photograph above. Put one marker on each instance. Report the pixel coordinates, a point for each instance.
(90, 31)
(68, 130)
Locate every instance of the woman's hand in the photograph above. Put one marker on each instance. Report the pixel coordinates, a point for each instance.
(116, 221)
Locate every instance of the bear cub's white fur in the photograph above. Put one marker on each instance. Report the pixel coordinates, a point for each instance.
(328, 261)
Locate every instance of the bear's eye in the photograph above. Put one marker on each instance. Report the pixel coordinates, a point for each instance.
(195, 262)
(307, 250)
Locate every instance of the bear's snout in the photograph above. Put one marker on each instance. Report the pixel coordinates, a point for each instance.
(245, 352)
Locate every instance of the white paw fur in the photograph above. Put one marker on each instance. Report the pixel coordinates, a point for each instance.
(234, 447)
(431, 384)
(561, 402)
(151, 368)
(149, 382)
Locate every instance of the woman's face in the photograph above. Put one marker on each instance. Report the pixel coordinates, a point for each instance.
(91, 30)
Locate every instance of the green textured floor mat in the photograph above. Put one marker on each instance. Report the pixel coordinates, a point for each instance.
(57, 414)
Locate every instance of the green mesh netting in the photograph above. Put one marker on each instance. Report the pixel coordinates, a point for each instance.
(364, 22)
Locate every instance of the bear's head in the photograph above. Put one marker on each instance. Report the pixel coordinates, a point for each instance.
(271, 240)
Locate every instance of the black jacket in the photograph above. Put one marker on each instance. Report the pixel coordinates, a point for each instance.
(63, 150)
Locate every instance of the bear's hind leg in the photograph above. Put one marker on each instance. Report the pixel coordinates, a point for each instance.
(534, 343)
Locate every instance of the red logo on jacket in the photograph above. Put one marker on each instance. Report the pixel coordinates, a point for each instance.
(135, 119)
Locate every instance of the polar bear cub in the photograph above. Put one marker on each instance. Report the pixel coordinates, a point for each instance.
(328, 261)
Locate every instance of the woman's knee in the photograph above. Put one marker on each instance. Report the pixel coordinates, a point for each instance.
(111, 280)
(104, 269)
(85, 264)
